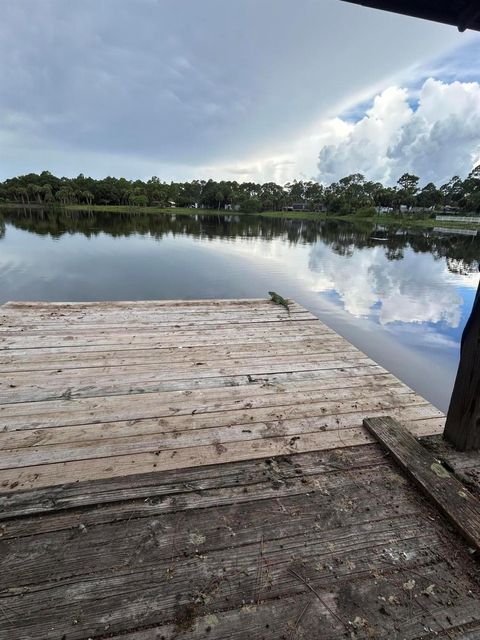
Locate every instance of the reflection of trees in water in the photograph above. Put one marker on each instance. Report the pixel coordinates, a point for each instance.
(395, 253)
(2, 226)
(460, 266)
(344, 238)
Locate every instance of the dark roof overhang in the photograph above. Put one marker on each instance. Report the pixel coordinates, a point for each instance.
(463, 14)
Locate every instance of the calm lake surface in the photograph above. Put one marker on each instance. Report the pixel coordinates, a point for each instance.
(401, 296)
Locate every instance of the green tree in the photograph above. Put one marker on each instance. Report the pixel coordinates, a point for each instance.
(22, 194)
(34, 191)
(471, 190)
(429, 196)
(408, 182)
(140, 200)
(453, 191)
(250, 204)
(408, 187)
(87, 196)
(47, 194)
(65, 195)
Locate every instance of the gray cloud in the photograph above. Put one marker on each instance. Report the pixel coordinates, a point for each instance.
(180, 83)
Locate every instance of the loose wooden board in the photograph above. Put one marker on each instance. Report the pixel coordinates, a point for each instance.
(441, 486)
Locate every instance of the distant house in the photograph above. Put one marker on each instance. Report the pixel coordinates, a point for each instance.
(383, 209)
(404, 208)
(305, 206)
(300, 206)
(296, 206)
(171, 203)
(420, 209)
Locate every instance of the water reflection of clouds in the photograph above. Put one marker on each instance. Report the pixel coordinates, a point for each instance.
(416, 289)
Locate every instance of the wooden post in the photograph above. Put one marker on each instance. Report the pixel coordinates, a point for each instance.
(462, 428)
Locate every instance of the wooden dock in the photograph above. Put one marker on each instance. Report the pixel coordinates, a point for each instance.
(200, 469)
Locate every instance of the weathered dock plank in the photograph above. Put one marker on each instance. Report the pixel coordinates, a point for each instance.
(95, 390)
(238, 551)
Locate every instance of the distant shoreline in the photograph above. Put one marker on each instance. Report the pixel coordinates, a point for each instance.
(399, 220)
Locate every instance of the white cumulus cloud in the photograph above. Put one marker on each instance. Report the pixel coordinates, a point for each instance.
(434, 133)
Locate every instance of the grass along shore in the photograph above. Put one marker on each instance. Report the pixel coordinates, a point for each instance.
(397, 220)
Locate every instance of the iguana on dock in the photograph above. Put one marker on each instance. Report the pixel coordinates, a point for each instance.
(279, 300)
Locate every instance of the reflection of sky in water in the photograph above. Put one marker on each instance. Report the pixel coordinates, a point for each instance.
(408, 313)
(417, 293)
(415, 290)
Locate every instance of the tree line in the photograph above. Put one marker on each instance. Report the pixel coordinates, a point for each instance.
(349, 195)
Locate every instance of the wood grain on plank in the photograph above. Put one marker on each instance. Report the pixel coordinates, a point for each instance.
(130, 357)
(289, 360)
(191, 404)
(91, 447)
(151, 382)
(26, 319)
(233, 387)
(161, 325)
(202, 484)
(109, 544)
(152, 337)
(43, 475)
(111, 304)
(215, 416)
(325, 379)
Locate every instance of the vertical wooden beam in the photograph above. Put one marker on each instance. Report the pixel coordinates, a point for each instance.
(462, 428)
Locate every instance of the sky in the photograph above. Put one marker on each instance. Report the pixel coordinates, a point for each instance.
(245, 90)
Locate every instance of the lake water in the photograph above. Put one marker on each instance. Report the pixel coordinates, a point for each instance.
(401, 296)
